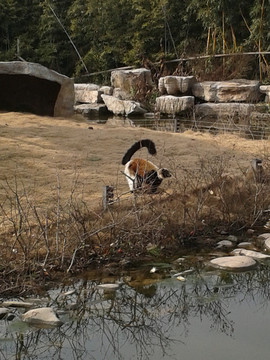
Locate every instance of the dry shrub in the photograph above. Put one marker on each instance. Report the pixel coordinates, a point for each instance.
(213, 68)
(68, 235)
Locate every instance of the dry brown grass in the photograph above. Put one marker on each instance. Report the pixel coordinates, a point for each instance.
(53, 172)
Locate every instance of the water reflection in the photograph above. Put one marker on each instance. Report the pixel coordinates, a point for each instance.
(150, 321)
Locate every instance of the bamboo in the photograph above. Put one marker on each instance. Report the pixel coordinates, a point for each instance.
(260, 37)
(208, 40)
(223, 38)
(214, 41)
(245, 21)
(233, 39)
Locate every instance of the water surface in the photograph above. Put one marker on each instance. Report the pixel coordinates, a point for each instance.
(211, 315)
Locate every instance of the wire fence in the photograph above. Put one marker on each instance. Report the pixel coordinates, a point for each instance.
(250, 128)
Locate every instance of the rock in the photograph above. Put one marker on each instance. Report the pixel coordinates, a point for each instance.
(30, 87)
(107, 90)
(217, 110)
(67, 293)
(181, 278)
(109, 287)
(246, 245)
(267, 244)
(239, 263)
(122, 107)
(264, 236)
(17, 304)
(131, 82)
(175, 85)
(224, 244)
(87, 94)
(86, 87)
(232, 238)
(169, 104)
(3, 312)
(227, 91)
(250, 253)
(92, 111)
(265, 89)
(118, 93)
(41, 317)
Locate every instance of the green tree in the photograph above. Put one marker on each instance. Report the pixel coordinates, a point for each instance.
(7, 22)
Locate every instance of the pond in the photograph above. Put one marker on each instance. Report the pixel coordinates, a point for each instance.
(154, 313)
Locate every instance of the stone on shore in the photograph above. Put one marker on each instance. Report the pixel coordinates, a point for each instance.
(250, 253)
(265, 89)
(240, 90)
(237, 263)
(122, 107)
(90, 93)
(267, 244)
(131, 82)
(169, 104)
(175, 85)
(224, 110)
(92, 111)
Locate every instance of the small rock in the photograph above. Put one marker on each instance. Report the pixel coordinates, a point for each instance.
(224, 244)
(250, 253)
(68, 293)
(17, 304)
(246, 245)
(108, 287)
(232, 238)
(240, 263)
(3, 312)
(41, 317)
(264, 236)
(267, 244)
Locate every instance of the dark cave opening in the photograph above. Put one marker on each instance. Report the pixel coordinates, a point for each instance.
(25, 93)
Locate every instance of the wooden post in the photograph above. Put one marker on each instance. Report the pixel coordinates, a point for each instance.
(175, 125)
(107, 196)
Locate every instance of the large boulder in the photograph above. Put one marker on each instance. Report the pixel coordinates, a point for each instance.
(92, 111)
(122, 107)
(90, 93)
(131, 83)
(265, 89)
(175, 85)
(227, 91)
(217, 110)
(173, 104)
(87, 93)
(30, 87)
